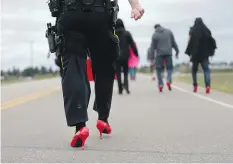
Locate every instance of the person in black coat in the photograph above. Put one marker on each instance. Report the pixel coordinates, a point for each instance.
(126, 41)
(200, 47)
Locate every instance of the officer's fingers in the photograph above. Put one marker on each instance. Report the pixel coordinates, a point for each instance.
(137, 15)
(142, 11)
(132, 14)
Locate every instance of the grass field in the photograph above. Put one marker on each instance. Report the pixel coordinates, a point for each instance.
(13, 79)
(219, 81)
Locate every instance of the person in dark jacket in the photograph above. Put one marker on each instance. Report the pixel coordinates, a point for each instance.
(126, 41)
(200, 47)
(163, 41)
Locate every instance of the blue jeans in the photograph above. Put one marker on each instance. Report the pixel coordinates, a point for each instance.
(205, 66)
(160, 68)
(132, 71)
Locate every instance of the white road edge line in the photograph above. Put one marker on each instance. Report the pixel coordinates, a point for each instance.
(200, 96)
(203, 97)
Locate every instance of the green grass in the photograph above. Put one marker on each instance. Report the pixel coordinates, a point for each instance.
(41, 77)
(219, 81)
(13, 79)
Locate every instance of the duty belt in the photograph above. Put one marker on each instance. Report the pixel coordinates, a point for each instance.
(98, 6)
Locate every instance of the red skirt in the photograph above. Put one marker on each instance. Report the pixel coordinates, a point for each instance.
(89, 70)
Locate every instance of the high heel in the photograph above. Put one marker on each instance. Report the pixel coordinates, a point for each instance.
(169, 86)
(207, 89)
(80, 137)
(195, 89)
(103, 127)
(160, 88)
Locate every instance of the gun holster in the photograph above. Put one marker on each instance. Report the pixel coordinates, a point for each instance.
(55, 40)
(59, 41)
(113, 11)
(50, 35)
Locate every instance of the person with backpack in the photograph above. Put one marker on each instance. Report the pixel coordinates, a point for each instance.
(201, 46)
(126, 41)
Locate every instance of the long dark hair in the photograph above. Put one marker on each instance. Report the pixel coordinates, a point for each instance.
(199, 27)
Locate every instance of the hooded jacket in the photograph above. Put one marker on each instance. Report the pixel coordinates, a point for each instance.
(163, 41)
(201, 44)
(126, 41)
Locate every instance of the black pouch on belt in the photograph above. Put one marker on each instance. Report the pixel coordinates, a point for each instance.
(70, 4)
(87, 5)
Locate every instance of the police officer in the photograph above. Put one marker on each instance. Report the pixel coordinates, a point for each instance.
(86, 28)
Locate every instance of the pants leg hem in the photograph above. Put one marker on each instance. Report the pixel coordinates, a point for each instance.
(79, 121)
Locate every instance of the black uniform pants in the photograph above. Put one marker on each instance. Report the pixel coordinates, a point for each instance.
(122, 65)
(82, 31)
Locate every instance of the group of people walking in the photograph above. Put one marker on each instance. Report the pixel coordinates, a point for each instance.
(87, 29)
(127, 62)
(86, 32)
(200, 47)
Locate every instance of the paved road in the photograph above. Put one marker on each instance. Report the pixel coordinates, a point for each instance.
(175, 126)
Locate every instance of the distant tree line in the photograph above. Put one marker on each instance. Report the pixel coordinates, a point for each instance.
(29, 71)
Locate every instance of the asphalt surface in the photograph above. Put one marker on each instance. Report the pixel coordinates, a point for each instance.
(148, 126)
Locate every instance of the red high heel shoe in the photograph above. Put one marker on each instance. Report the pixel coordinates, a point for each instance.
(80, 138)
(207, 89)
(160, 88)
(169, 86)
(195, 89)
(103, 127)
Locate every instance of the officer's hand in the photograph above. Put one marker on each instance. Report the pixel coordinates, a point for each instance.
(177, 56)
(137, 12)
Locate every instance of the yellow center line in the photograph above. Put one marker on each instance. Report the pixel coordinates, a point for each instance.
(27, 98)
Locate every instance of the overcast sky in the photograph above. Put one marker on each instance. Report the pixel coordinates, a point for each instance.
(25, 20)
